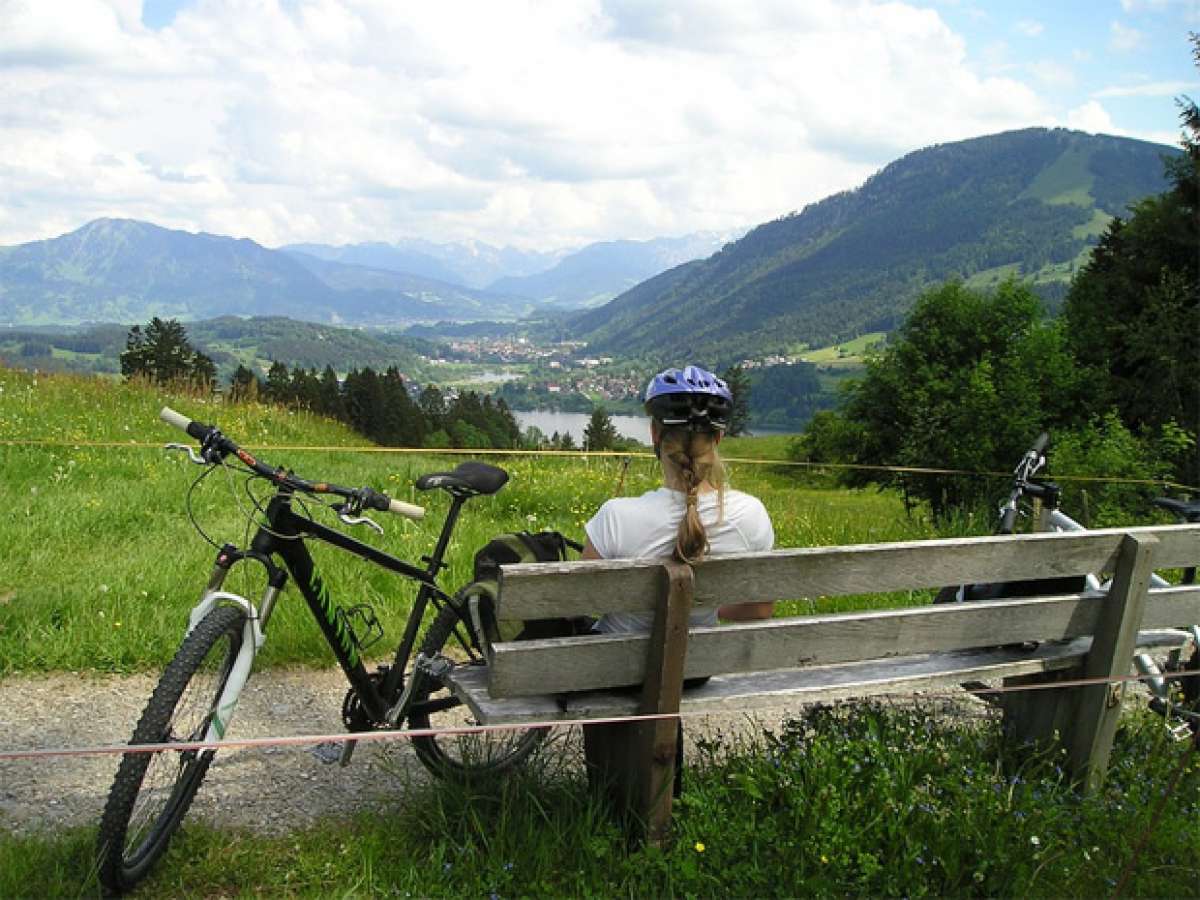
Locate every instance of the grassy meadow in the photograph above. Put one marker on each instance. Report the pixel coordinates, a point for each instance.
(102, 566)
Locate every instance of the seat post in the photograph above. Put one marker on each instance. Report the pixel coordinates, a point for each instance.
(434, 560)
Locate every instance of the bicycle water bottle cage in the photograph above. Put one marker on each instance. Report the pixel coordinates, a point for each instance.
(468, 479)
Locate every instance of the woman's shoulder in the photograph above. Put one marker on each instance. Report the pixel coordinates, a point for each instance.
(658, 498)
(741, 501)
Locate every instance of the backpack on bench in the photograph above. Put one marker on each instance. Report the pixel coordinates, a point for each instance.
(477, 601)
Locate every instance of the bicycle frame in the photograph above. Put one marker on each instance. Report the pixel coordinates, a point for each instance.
(283, 535)
(1054, 519)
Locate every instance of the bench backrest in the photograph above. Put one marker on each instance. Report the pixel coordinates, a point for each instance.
(546, 590)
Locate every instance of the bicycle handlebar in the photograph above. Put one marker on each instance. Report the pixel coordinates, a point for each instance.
(214, 446)
(1032, 461)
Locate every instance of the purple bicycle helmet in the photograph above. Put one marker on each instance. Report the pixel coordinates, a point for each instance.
(692, 397)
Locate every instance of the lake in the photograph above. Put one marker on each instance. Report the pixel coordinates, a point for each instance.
(637, 427)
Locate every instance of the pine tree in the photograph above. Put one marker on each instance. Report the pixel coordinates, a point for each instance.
(600, 433)
(162, 354)
(278, 388)
(329, 402)
(243, 385)
(739, 385)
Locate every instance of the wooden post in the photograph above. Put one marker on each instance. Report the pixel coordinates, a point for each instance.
(634, 762)
(1099, 706)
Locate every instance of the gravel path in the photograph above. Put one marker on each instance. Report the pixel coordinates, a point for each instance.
(268, 789)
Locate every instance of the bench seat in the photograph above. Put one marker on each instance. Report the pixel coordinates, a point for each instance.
(812, 684)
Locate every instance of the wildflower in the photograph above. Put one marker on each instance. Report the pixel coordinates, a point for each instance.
(1035, 841)
(699, 847)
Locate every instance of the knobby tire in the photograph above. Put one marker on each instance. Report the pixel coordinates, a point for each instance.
(153, 791)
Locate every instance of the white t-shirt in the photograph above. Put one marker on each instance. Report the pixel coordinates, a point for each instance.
(647, 526)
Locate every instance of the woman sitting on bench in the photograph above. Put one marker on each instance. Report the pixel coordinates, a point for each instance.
(693, 513)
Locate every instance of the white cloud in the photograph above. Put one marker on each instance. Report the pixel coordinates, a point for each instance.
(1124, 39)
(1094, 118)
(1091, 117)
(1030, 28)
(514, 121)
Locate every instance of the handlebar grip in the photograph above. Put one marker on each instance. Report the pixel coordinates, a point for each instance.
(183, 423)
(1009, 520)
(408, 510)
(1039, 446)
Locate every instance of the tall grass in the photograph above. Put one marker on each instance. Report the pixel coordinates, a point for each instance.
(863, 802)
(102, 563)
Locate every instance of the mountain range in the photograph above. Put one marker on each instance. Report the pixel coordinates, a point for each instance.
(124, 270)
(583, 278)
(472, 264)
(1027, 203)
(121, 270)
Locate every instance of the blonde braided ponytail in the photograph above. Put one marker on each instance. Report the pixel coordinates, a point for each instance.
(689, 461)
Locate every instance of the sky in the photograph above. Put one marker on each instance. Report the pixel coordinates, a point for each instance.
(541, 124)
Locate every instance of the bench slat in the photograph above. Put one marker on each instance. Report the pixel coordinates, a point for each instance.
(603, 661)
(734, 693)
(542, 590)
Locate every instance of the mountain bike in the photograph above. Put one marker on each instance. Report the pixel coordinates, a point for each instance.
(198, 692)
(1182, 666)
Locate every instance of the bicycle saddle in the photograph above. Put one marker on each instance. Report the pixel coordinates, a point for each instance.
(1189, 512)
(469, 478)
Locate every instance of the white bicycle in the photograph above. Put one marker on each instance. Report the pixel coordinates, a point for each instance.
(1175, 686)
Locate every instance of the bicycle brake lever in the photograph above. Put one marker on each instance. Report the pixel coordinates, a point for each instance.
(192, 454)
(361, 520)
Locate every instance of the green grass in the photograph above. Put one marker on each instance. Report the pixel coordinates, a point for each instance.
(104, 563)
(847, 353)
(847, 801)
(993, 276)
(772, 446)
(1066, 181)
(1094, 227)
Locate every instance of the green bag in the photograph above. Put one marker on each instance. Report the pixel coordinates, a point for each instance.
(477, 601)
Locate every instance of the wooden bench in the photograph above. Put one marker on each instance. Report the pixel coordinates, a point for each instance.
(824, 657)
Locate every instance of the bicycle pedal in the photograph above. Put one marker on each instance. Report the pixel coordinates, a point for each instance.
(328, 752)
(347, 752)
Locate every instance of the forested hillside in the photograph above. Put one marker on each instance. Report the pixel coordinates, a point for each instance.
(972, 376)
(229, 341)
(1028, 203)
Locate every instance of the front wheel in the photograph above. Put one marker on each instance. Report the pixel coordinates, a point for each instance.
(461, 756)
(152, 791)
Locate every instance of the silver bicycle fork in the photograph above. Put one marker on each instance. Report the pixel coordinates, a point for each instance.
(253, 638)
